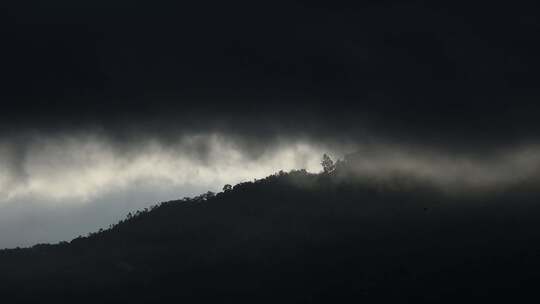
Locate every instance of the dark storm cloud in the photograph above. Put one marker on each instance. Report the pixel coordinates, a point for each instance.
(454, 78)
(457, 79)
(443, 75)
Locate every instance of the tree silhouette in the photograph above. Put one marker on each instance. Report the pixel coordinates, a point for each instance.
(327, 164)
(227, 187)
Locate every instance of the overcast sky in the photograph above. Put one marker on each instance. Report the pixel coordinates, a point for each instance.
(111, 106)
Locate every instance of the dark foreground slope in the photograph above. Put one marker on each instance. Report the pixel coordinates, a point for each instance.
(295, 238)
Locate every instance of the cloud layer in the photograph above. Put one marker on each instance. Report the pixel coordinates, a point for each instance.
(453, 173)
(70, 169)
(56, 186)
(74, 169)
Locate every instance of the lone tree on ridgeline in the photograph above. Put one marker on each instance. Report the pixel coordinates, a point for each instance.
(327, 164)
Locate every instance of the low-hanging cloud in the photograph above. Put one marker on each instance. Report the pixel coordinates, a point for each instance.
(69, 169)
(56, 186)
(79, 169)
(450, 172)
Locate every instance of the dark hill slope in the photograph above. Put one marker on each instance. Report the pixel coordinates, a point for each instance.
(295, 237)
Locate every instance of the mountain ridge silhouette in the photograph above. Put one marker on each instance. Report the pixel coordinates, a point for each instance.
(295, 237)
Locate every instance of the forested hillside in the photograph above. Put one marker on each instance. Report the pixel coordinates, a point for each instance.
(296, 237)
